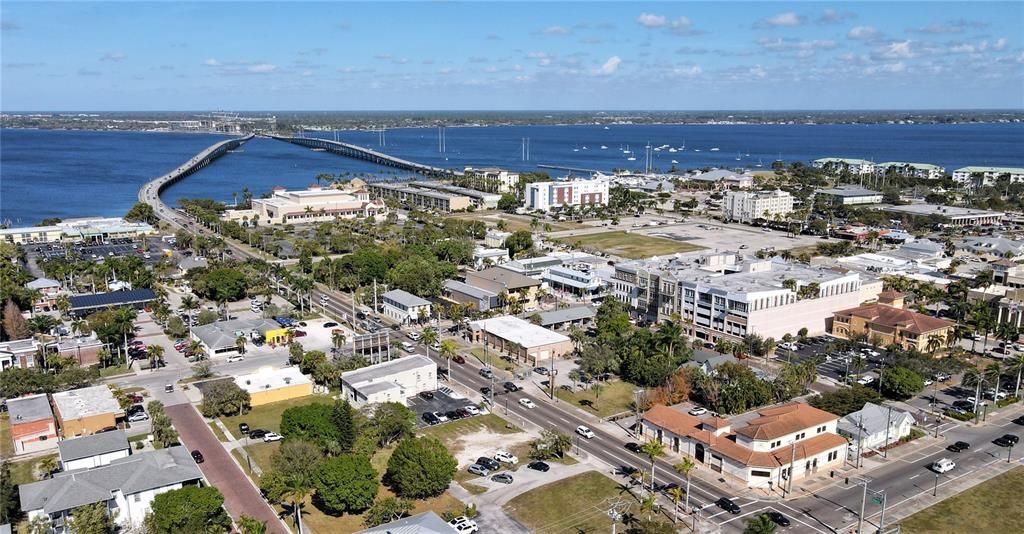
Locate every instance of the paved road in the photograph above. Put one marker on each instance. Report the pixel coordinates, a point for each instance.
(220, 470)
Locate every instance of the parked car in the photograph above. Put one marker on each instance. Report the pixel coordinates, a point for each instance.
(430, 419)
(698, 410)
(488, 463)
(538, 465)
(585, 432)
(527, 403)
(330, 324)
(138, 416)
(298, 333)
(865, 380)
(478, 469)
(426, 395)
(541, 370)
(503, 478)
(473, 410)
(506, 457)
(463, 525)
(197, 456)
(415, 336)
(943, 466)
(959, 446)
(271, 436)
(726, 504)
(453, 415)
(633, 446)
(235, 358)
(257, 433)
(243, 428)
(442, 418)
(778, 518)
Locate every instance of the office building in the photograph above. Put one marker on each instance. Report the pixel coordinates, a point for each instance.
(747, 207)
(545, 196)
(86, 411)
(268, 385)
(951, 215)
(521, 340)
(405, 307)
(314, 204)
(850, 195)
(221, 337)
(391, 381)
(890, 324)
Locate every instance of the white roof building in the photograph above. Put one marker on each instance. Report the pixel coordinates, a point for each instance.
(391, 381)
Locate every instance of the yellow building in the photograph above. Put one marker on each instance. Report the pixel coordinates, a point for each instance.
(269, 385)
(888, 322)
(86, 411)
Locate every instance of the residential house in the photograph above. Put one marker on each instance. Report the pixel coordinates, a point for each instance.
(20, 353)
(874, 427)
(97, 450)
(423, 523)
(48, 292)
(405, 307)
(709, 362)
(33, 427)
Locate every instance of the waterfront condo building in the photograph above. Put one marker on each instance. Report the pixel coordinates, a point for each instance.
(423, 198)
(545, 196)
(491, 179)
(837, 166)
(749, 206)
(924, 171)
(982, 176)
(315, 204)
(790, 441)
(722, 295)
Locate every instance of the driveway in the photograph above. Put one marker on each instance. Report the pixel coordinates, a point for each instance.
(220, 470)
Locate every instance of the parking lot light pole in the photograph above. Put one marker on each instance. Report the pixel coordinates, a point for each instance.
(936, 488)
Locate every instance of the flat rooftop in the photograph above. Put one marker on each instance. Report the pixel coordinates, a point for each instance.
(848, 191)
(945, 211)
(385, 370)
(267, 378)
(516, 330)
(86, 402)
(28, 409)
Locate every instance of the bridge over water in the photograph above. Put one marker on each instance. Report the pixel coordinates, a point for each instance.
(150, 191)
(357, 152)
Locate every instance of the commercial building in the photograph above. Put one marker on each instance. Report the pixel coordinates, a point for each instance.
(837, 166)
(545, 196)
(422, 198)
(783, 443)
(221, 337)
(475, 298)
(33, 427)
(533, 267)
(724, 295)
(480, 199)
(522, 340)
(86, 411)
(562, 318)
(97, 450)
(982, 176)
(925, 171)
(83, 350)
(269, 385)
(489, 257)
(20, 353)
(582, 282)
(498, 280)
(82, 305)
(423, 523)
(850, 195)
(91, 229)
(726, 178)
(47, 293)
(887, 322)
(952, 215)
(747, 207)
(32, 234)
(126, 487)
(994, 247)
(405, 307)
(391, 381)
(492, 179)
(874, 427)
(315, 204)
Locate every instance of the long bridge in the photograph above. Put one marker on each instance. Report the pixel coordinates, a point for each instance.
(150, 191)
(357, 152)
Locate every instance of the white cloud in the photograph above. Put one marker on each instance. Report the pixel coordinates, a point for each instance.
(610, 66)
(952, 26)
(212, 63)
(896, 50)
(758, 71)
(1000, 44)
(831, 16)
(688, 72)
(543, 58)
(863, 33)
(261, 68)
(555, 30)
(804, 48)
(649, 20)
(782, 20)
(113, 56)
(888, 68)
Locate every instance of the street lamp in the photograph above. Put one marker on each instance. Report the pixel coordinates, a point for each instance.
(936, 488)
(1009, 451)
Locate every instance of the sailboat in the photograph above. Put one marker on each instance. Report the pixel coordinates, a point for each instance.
(631, 158)
(737, 156)
(627, 151)
(672, 150)
(605, 127)
(604, 147)
(674, 161)
(577, 149)
(759, 164)
(715, 149)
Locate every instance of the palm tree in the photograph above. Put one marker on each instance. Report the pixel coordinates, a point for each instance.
(448, 350)
(338, 340)
(596, 387)
(428, 339)
(973, 378)
(1016, 363)
(994, 372)
(47, 466)
(156, 354)
(240, 342)
(296, 492)
(934, 344)
(685, 468)
(649, 504)
(653, 449)
(189, 304)
(125, 320)
(63, 304)
(676, 494)
(760, 524)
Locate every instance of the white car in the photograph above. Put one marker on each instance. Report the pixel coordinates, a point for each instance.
(789, 346)
(585, 432)
(138, 416)
(271, 436)
(698, 410)
(943, 466)
(236, 358)
(463, 525)
(473, 410)
(506, 457)
(415, 336)
(441, 417)
(871, 352)
(527, 403)
(865, 380)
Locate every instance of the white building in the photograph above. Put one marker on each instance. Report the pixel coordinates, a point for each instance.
(924, 171)
(874, 427)
(790, 441)
(391, 381)
(93, 451)
(489, 257)
(724, 295)
(987, 175)
(851, 195)
(495, 179)
(839, 165)
(521, 339)
(315, 204)
(746, 207)
(127, 486)
(545, 196)
(496, 238)
(726, 178)
(405, 307)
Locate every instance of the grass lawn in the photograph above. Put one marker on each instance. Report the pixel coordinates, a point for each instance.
(113, 371)
(616, 397)
(630, 245)
(448, 433)
(268, 416)
(218, 432)
(496, 360)
(6, 440)
(575, 504)
(261, 453)
(972, 510)
(21, 472)
(515, 222)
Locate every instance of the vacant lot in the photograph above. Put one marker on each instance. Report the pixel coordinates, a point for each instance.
(6, 440)
(493, 357)
(575, 504)
(516, 222)
(268, 416)
(615, 397)
(630, 245)
(991, 506)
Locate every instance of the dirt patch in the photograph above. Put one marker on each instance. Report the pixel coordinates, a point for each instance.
(467, 448)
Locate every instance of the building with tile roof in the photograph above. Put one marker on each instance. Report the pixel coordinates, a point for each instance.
(891, 324)
(793, 438)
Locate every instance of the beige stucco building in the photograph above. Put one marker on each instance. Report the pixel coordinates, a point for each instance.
(888, 322)
(86, 411)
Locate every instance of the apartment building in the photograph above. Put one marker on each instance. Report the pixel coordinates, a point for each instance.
(850, 195)
(422, 198)
(314, 204)
(748, 206)
(493, 179)
(925, 171)
(839, 165)
(480, 199)
(982, 176)
(545, 196)
(722, 295)
(783, 443)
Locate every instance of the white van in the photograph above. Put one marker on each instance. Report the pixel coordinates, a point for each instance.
(943, 466)
(408, 347)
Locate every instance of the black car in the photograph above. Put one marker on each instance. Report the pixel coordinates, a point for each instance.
(430, 419)
(427, 395)
(452, 415)
(331, 324)
(1019, 420)
(243, 428)
(541, 370)
(510, 387)
(539, 466)
(634, 447)
(726, 504)
(959, 446)
(136, 408)
(488, 463)
(257, 433)
(485, 390)
(778, 518)
(197, 456)
(1007, 440)
(503, 478)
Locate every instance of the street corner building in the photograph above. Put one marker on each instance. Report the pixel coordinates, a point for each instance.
(390, 381)
(889, 322)
(792, 440)
(520, 339)
(269, 385)
(86, 411)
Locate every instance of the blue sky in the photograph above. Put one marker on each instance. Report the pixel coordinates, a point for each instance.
(447, 55)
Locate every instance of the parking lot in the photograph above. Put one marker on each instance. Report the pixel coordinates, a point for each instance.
(122, 247)
(444, 400)
(728, 236)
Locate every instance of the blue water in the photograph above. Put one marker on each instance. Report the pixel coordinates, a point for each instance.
(51, 173)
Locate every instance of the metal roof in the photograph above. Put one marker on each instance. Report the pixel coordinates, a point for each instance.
(424, 523)
(114, 298)
(405, 298)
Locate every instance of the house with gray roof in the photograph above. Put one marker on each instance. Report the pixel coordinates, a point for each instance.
(220, 337)
(562, 317)
(405, 307)
(93, 451)
(995, 247)
(19, 353)
(127, 486)
(870, 424)
(707, 362)
(33, 427)
(424, 523)
(476, 298)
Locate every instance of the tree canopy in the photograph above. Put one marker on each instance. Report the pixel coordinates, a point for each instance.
(224, 397)
(420, 468)
(345, 484)
(189, 509)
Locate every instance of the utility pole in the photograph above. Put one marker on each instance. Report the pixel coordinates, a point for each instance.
(860, 442)
(863, 502)
(888, 423)
(881, 518)
(792, 462)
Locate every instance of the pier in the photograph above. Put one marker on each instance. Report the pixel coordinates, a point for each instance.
(366, 154)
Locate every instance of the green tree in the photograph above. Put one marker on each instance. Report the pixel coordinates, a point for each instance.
(653, 450)
(250, 525)
(420, 468)
(844, 401)
(9, 504)
(900, 383)
(189, 509)
(345, 484)
(344, 418)
(224, 397)
(141, 212)
(391, 422)
(387, 510)
(760, 524)
(519, 241)
(311, 422)
(297, 458)
(92, 519)
(508, 203)
(650, 526)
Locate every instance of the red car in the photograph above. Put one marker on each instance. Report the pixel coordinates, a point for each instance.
(298, 333)
(458, 359)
